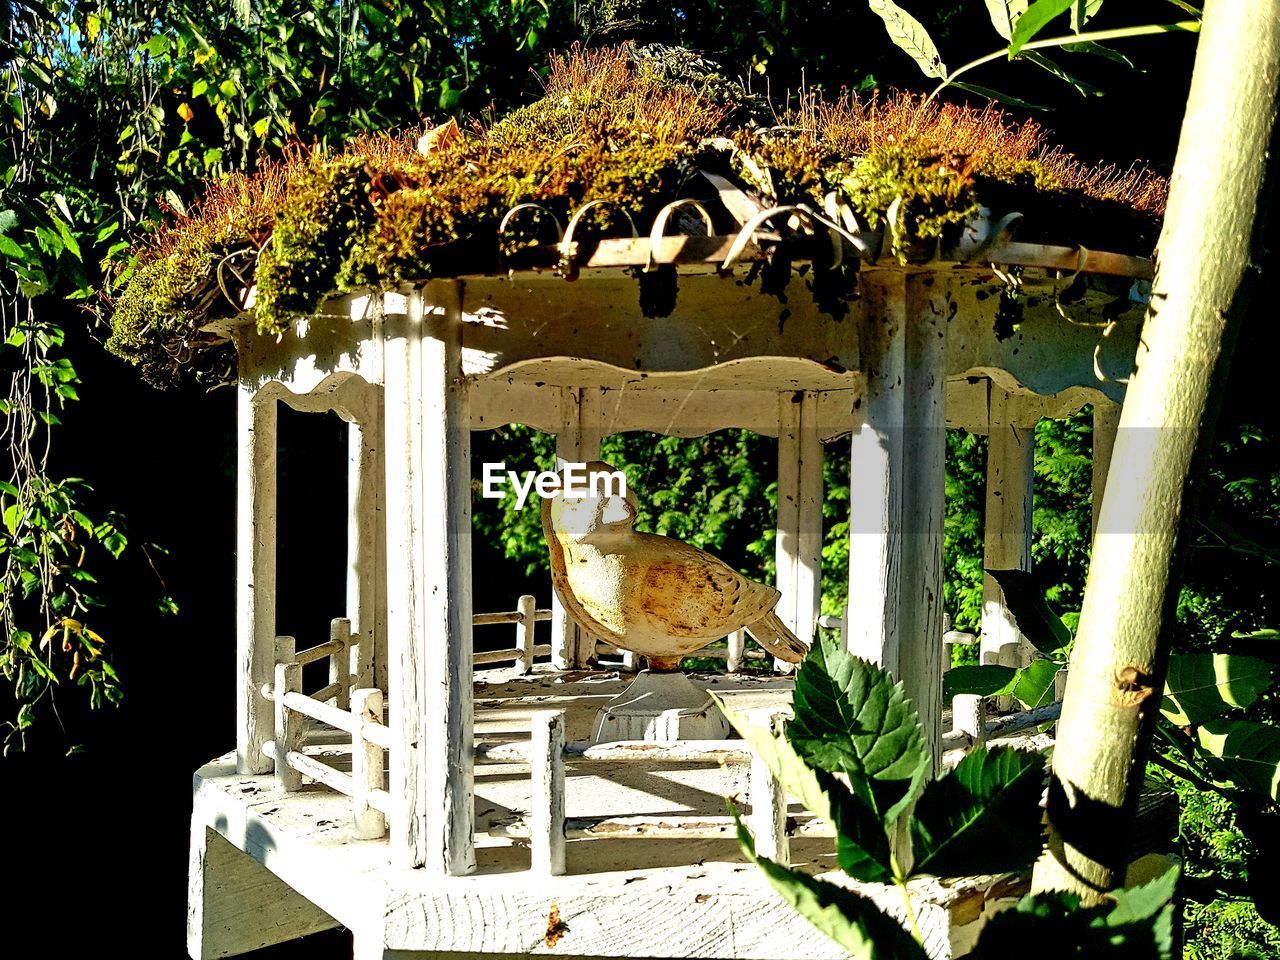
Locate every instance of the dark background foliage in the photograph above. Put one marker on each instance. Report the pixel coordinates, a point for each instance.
(95, 841)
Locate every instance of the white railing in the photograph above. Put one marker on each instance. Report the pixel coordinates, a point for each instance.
(547, 828)
(357, 713)
(525, 616)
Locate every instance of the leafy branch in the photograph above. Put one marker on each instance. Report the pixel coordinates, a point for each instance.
(855, 756)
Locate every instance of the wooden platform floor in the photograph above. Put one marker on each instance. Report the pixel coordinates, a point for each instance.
(620, 898)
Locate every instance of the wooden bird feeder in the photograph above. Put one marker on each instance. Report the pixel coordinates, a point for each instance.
(410, 797)
(434, 799)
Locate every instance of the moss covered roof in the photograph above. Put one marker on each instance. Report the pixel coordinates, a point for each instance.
(611, 126)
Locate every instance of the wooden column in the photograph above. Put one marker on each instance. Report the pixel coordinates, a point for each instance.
(798, 546)
(1106, 421)
(366, 543)
(897, 495)
(429, 584)
(255, 575)
(577, 442)
(1006, 529)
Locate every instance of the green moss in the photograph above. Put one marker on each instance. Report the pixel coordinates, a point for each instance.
(932, 191)
(628, 127)
(314, 234)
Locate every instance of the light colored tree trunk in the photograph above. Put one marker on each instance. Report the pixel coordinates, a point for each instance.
(1206, 270)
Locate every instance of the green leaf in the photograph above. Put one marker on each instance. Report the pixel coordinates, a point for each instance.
(982, 817)
(1005, 13)
(862, 846)
(855, 923)
(1098, 50)
(1135, 904)
(1201, 686)
(1000, 97)
(987, 680)
(1034, 685)
(11, 249)
(1025, 601)
(8, 488)
(1082, 11)
(1246, 752)
(1059, 927)
(908, 34)
(1034, 20)
(1044, 63)
(851, 718)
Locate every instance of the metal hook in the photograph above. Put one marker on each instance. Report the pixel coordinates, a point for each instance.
(520, 208)
(566, 242)
(1107, 330)
(749, 228)
(660, 225)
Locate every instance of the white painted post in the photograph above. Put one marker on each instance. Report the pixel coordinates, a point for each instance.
(1106, 421)
(574, 444)
(366, 544)
(1006, 529)
(798, 547)
(367, 765)
(528, 607)
(737, 651)
(969, 716)
(428, 583)
(768, 816)
(897, 498)
(255, 574)
(288, 725)
(340, 662)
(786, 544)
(546, 767)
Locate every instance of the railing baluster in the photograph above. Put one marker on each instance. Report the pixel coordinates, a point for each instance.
(288, 725)
(768, 816)
(528, 608)
(546, 842)
(340, 662)
(367, 765)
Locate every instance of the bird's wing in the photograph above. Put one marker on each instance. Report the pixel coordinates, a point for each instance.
(690, 593)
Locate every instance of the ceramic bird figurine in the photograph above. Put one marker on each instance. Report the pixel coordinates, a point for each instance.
(653, 595)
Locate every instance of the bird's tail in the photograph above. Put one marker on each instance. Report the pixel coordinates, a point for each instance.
(774, 635)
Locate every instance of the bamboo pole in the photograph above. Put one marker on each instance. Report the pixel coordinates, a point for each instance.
(1207, 271)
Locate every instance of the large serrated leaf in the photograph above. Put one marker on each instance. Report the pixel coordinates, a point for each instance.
(982, 817)
(1137, 925)
(852, 718)
(908, 34)
(1025, 601)
(853, 922)
(862, 845)
(1244, 751)
(1034, 20)
(1005, 13)
(1135, 904)
(1201, 686)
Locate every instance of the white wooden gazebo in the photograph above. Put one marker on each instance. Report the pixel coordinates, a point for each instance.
(362, 803)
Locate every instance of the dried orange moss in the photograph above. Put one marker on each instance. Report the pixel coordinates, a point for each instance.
(610, 127)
